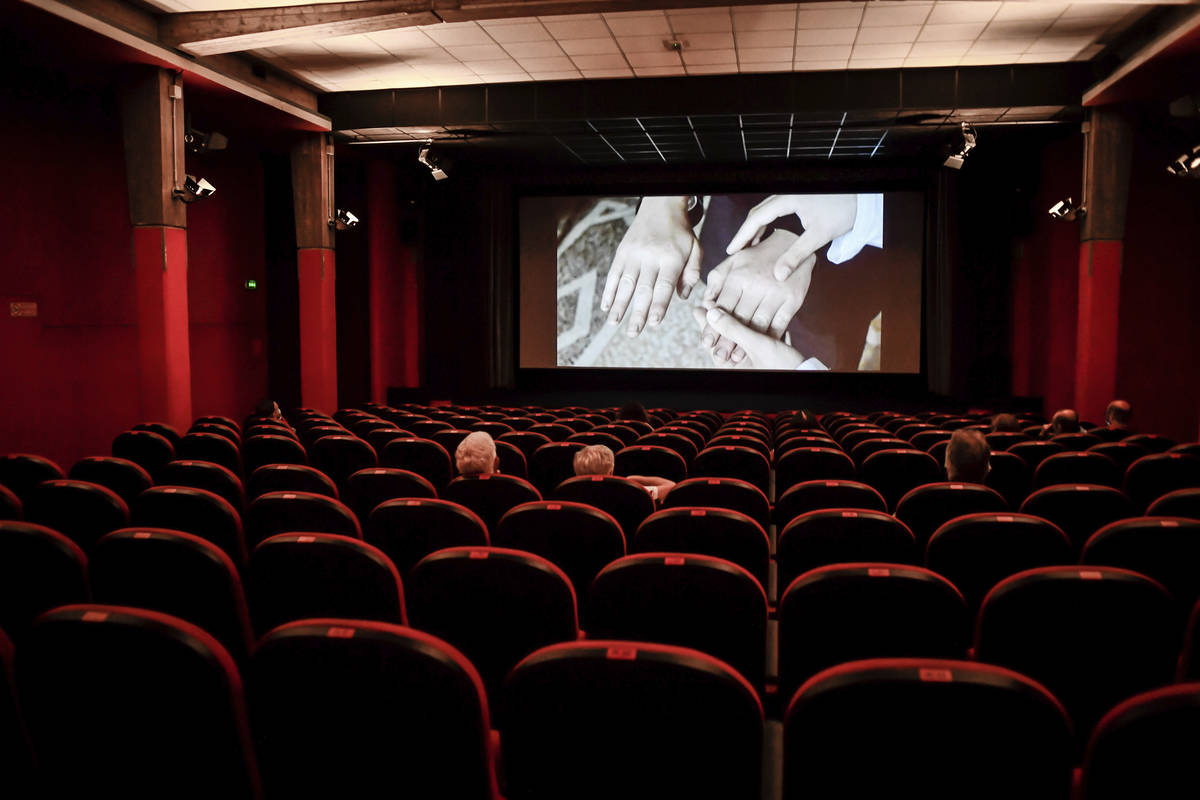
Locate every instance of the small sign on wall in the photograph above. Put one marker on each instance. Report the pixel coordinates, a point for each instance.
(23, 309)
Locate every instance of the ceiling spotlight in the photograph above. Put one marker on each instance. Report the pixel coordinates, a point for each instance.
(194, 189)
(1066, 209)
(343, 220)
(201, 142)
(431, 161)
(1187, 165)
(955, 160)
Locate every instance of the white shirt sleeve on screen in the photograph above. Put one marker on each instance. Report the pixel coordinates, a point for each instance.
(867, 230)
(811, 364)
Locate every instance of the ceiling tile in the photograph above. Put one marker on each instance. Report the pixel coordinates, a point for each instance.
(445, 35)
(575, 29)
(555, 64)
(950, 33)
(810, 66)
(828, 18)
(931, 61)
(892, 14)
(766, 66)
(1028, 29)
(569, 17)
(523, 32)
(904, 33)
(880, 51)
(697, 57)
(708, 41)
(477, 52)
(515, 77)
(642, 44)
(1065, 26)
(943, 49)
(402, 39)
(1045, 58)
(1109, 11)
(825, 36)
(533, 49)
(494, 66)
(712, 69)
(764, 38)
(639, 25)
(999, 46)
(651, 72)
(1089, 52)
(604, 61)
(982, 59)
(608, 73)
(707, 22)
(589, 47)
(1059, 44)
(662, 58)
(438, 56)
(824, 53)
(1027, 10)
(876, 63)
(556, 75)
(773, 20)
(962, 12)
(753, 54)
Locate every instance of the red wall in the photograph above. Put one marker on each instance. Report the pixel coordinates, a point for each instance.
(70, 375)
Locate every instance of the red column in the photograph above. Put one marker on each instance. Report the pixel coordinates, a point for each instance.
(1096, 331)
(318, 328)
(160, 276)
(396, 318)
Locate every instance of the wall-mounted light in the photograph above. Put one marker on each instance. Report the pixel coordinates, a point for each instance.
(194, 189)
(1187, 165)
(431, 161)
(343, 220)
(955, 160)
(1067, 210)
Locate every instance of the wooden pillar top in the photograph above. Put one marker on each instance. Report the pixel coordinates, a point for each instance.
(153, 129)
(1106, 174)
(312, 191)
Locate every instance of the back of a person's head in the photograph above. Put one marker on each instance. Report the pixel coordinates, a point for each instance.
(267, 409)
(1118, 414)
(1006, 423)
(476, 454)
(967, 456)
(635, 411)
(1065, 421)
(595, 459)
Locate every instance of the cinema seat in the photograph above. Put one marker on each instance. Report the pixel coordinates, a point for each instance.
(929, 728)
(1094, 636)
(206, 475)
(10, 505)
(923, 440)
(404, 708)
(697, 438)
(1166, 549)
(1152, 476)
(195, 511)
(715, 532)
(490, 495)
(176, 573)
(211, 448)
(40, 569)
(626, 434)
(659, 462)
(706, 603)
(289, 478)
(271, 449)
(493, 604)
(379, 437)
(339, 457)
(1078, 467)
(369, 487)
(148, 450)
(120, 475)
(602, 719)
(844, 612)
(164, 430)
(554, 431)
(362, 427)
(79, 510)
(1002, 440)
(732, 493)
(220, 420)
(1179, 503)
(219, 429)
(672, 441)
(311, 435)
(410, 529)
(977, 551)
(928, 507)
(1075, 442)
(1035, 452)
(283, 512)
(810, 464)
(1078, 509)
(579, 539)
(628, 502)
(1151, 443)
(20, 472)
(512, 460)
(741, 463)
(819, 494)
(1010, 476)
(422, 456)
(161, 706)
(893, 473)
(295, 576)
(841, 535)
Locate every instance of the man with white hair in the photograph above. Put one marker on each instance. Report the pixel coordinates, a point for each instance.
(476, 454)
(598, 459)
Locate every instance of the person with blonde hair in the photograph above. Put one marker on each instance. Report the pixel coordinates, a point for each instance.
(476, 454)
(598, 459)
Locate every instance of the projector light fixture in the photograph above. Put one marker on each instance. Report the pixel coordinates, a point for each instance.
(431, 161)
(1187, 165)
(201, 142)
(343, 220)
(1066, 209)
(955, 160)
(194, 189)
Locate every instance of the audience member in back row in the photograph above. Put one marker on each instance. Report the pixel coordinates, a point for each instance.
(1065, 420)
(1006, 423)
(967, 456)
(598, 459)
(476, 455)
(1118, 415)
(634, 411)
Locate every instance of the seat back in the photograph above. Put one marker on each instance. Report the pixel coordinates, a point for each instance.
(162, 699)
(591, 719)
(410, 529)
(1079, 509)
(893, 473)
(271, 449)
(512, 460)
(741, 463)
(1179, 503)
(283, 512)
(40, 569)
(20, 472)
(339, 457)
(1165, 548)
(706, 603)
(526, 442)
(120, 475)
(212, 448)
(626, 501)
(1010, 476)
(1152, 476)
(404, 708)
(681, 444)
(650, 460)
(1077, 466)
(925, 728)
(205, 475)
(147, 449)
(80, 510)
(289, 478)
(164, 430)
(425, 457)
(709, 531)
(731, 493)
(490, 495)
(493, 604)
(820, 494)
(841, 535)
(927, 508)
(369, 487)
(579, 539)
(196, 511)
(801, 464)
(552, 464)
(300, 575)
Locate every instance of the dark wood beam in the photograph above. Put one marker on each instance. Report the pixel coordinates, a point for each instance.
(312, 191)
(152, 129)
(467, 10)
(211, 32)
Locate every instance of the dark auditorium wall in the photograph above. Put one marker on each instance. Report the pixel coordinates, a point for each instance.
(70, 375)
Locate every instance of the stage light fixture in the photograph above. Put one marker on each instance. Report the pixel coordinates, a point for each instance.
(343, 220)
(1187, 165)
(1067, 210)
(201, 142)
(431, 161)
(956, 160)
(194, 189)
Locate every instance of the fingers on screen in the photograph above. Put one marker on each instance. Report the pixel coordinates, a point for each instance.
(643, 292)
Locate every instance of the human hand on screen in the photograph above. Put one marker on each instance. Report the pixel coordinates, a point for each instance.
(658, 255)
(825, 217)
(762, 351)
(744, 285)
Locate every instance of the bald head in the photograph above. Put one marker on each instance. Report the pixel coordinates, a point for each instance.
(967, 456)
(1065, 420)
(476, 454)
(1118, 414)
(595, 459)
(1006, 423)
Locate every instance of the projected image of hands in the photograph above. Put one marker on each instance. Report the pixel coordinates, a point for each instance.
(706, 281)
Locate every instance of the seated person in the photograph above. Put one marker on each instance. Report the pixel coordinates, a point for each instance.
(1065, 420)
(1006, 423)
(634, 411)
(1118, 416)
(598, 459)
(967, 456)
(476, 455)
